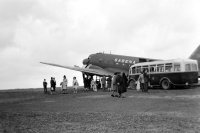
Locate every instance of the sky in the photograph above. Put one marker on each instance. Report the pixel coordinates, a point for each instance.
(67, 31)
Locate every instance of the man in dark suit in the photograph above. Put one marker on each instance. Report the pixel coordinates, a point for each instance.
(45, 86)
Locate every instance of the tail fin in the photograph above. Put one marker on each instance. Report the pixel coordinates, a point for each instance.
(196, 56)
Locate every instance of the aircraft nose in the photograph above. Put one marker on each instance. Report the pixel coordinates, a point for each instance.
(86, 61)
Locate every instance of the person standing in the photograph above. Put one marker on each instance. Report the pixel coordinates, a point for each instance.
(141, 80)
(87, 81)
(109, 80)
(138, 85)
(114, 85)
(45, 86)
(119, 82)
(93, 85)
(124, 84)
(52, 85)
(75, 85)
(103, 81)
(146, 79)
(64, 85)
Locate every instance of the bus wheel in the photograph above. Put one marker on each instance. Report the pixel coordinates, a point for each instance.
(187, 87)
(165, 84)
(132, 85)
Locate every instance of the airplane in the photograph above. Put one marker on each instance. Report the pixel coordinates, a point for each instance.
(102, 64)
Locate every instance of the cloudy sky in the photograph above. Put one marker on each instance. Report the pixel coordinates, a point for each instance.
(67, 31)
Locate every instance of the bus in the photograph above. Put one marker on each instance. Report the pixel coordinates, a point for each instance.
(167, 73)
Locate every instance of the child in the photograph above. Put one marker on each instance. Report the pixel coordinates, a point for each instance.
(75, 84)
(138, 85)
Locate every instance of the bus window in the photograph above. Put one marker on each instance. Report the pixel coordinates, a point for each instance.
(194, 67)
(138, 70)
(177, 67)
(187, 67)
(152, 68)
(133, 70)
(145, 68)
(160, 68)
(168, 67)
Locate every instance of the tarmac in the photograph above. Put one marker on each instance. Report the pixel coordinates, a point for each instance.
(31, 110)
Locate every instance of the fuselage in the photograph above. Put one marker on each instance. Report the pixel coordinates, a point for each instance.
(113, 63)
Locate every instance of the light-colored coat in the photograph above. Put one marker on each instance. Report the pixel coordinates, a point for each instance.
(64, 84)
(113, 82)
(75, 83)
(93, 85)
(141, 78)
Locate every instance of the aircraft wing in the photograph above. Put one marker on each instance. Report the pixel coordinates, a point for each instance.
(99, 72)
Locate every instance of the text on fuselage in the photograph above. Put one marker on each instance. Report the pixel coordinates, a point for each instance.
(124, 61)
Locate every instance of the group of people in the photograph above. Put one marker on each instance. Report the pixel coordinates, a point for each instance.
(119, 85)
(106, 83)
(63, 85)
(103, 83)
(91, 84)
(142, 82)
(87, 79)
(52, 83)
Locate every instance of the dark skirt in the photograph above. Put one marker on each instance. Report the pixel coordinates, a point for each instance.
(121, 89)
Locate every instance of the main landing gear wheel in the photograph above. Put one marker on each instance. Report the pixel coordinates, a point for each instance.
(165, 84)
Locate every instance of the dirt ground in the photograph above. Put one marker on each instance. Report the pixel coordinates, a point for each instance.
(31, 111)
